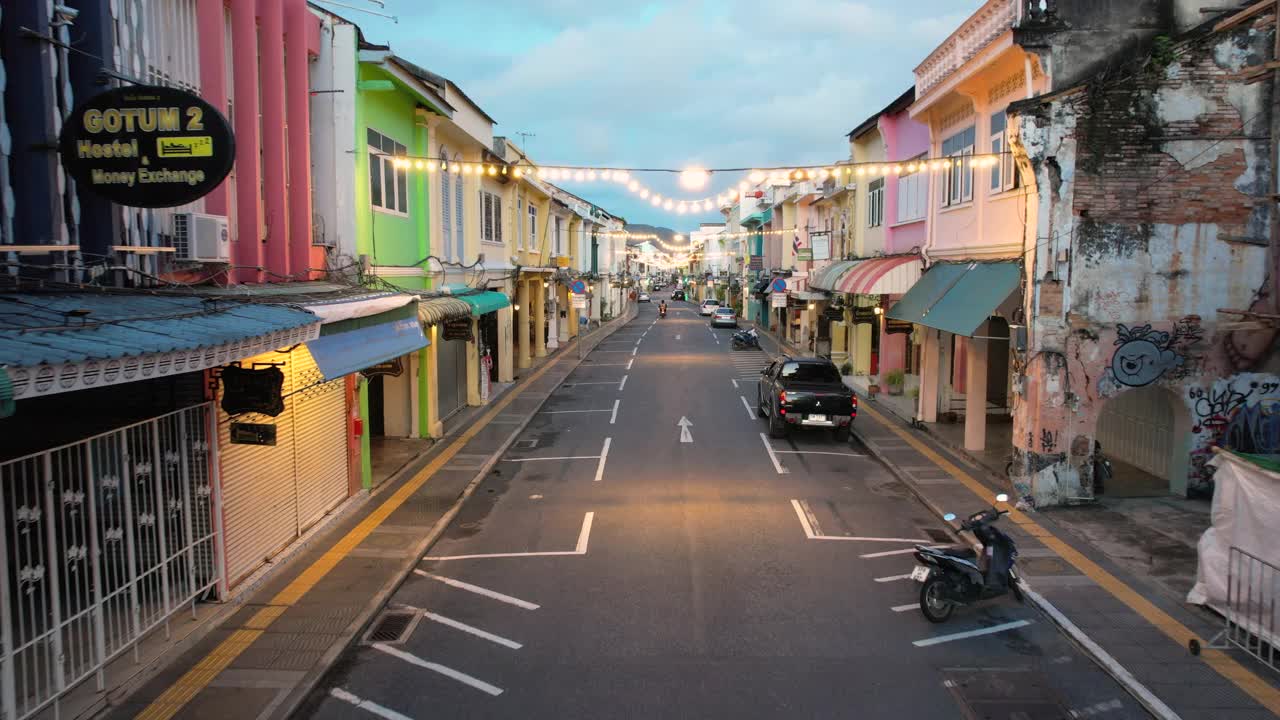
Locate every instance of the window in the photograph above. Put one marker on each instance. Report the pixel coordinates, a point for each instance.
(533, 226)
(490, 217)
(559, 236)
(459, 236)
(520, 229)
(958, 181)
(811, 372)
(1003, 176)
(388, 185)
(875, 203)
(913, 192)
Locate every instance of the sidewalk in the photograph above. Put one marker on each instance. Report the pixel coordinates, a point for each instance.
(268, 655)
(1129, 624)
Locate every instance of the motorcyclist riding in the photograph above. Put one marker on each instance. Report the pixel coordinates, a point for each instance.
(662, 308)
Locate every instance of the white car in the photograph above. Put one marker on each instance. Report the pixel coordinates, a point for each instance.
(644, 297)
(724, 317)
(708, 306)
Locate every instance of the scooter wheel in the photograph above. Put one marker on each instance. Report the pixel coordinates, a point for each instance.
(933, 600)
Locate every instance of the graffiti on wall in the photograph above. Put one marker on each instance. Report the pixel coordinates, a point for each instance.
(1241, 413)
(1144, 355)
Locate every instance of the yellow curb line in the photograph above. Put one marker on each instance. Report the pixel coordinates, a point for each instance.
(172, 700)
(1242, 677)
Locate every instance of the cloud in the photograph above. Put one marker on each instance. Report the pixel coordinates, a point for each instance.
(665, 83)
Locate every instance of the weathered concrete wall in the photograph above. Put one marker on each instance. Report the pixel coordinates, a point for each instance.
(1152, 216)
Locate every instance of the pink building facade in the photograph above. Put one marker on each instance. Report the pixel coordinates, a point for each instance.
(254, 64)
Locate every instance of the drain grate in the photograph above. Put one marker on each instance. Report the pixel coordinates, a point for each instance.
(526, 444)
(392, 627)
(937, 534)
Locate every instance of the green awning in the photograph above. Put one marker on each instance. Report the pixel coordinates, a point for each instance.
(958, 297)
(485, 301)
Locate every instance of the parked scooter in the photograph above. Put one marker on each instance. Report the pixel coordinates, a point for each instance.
(744, 339)
(955, 575)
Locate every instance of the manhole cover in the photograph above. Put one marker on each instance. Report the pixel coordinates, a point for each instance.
(937, 534)
(392, 627)
(526, 444)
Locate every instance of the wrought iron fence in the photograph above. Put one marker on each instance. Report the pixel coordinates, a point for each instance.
(101, 542)
(1253, 591)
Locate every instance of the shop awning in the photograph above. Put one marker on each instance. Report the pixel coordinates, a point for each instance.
(60, 342)
(351, 345)
(958, 297)
(825, 278)
(485, 301)
(437, 310)
(880, 276)
(808, 295)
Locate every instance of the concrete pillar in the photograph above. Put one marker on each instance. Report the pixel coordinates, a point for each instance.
(539, 318)
(975, 416)
(272, 72)
(523, 357)
(506, 353)
(552, 294)
(572, 319)
(213, 80)
(473, 365)
(929, 379)
(299, 21)
(247, 249)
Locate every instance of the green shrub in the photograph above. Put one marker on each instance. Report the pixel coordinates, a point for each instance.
(894, 377)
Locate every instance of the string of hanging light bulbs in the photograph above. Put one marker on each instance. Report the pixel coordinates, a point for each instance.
(696, 177)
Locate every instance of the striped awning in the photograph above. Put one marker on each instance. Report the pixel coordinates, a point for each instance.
(880, 276)
(825, 278)
(437, 310)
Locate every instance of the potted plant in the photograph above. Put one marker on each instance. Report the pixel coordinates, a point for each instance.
(894, 379)
(915, 393)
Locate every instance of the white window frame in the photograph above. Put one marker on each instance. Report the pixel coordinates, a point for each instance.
(957, 182)
(533, 227)
(520, 228)
(490, 217)
(1003, 177)
(913, 192)
(558, 226)
(381, 159)
(875, 202)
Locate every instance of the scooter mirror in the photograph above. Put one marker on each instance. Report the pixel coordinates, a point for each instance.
(949, 517)
(1002, 497)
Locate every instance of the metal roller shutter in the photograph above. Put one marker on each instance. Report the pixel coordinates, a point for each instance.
(320, 435)
(451, 376)
(259, 496)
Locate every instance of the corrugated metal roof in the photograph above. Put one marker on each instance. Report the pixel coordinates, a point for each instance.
(60, 328)
(433, 311)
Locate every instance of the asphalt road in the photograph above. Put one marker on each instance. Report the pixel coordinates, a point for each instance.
(606, 569)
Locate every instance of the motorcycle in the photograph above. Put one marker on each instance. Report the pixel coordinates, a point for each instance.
(662, 311)
(953, 576)
(744, 339)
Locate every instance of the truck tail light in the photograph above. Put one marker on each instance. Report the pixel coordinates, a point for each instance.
(782, 400)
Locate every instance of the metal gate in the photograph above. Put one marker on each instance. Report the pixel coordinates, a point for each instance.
(451, 376)
(101, 541)
(1136, 427)
(320, 442)
(1253, 591)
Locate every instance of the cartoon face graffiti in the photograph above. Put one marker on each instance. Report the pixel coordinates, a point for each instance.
(1143, 357)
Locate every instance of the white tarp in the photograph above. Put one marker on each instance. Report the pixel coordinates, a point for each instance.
(1246, 505)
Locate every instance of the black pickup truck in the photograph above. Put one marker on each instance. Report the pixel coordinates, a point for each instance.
(807, 392)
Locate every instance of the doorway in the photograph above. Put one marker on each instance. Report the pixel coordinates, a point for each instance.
(1140, 432)
(997, 363)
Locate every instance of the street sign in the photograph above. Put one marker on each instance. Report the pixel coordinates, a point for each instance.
(779, 285)
(579, 302)
(756, 262)
(578, 287)
(458, 329)
(864, 316)
(804, 254)
(778, 300)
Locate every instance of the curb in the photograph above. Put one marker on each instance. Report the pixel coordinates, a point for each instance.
(1092, 649)
(292, 702)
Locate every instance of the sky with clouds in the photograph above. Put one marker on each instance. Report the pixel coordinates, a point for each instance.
(670, 83)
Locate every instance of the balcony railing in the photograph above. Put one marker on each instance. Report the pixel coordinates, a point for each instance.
(991, 21)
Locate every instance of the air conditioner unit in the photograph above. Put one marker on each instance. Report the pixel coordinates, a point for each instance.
(201, 238)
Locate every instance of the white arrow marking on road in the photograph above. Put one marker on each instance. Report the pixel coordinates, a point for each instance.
(685, 435)
(677, 337)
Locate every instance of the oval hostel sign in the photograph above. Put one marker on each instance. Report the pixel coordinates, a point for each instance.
(147, 146)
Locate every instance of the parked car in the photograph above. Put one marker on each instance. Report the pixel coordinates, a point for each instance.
(677, 295)
(805, 392)
(708, 306)
(724, 317)
(644, 297)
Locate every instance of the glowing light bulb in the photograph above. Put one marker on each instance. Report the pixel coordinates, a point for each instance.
(861, 171)
(656, 200)
(518, 172)
(419, 164)
(694, 178)
(431, 166)
(681, 208)
(706, 206)
(579, 176)
(622, 176)
(733, 194)
(911, 167)
(542, 173)
(634, 186)
(607, 175)
(756, 176)
(946, 164)
(666, 205)
(897, 169)
(742, 186)
(493, 171)
(466, 169)
(591, 176)
(644, 193)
